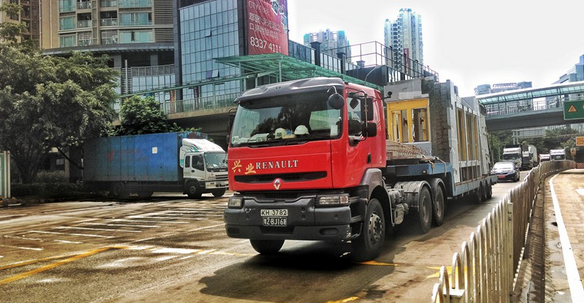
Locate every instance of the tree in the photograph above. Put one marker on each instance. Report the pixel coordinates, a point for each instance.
(143, 116)
(51, 102)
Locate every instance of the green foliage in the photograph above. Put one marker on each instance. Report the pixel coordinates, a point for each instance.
(10, 32)
(51, 102)
(143, 116)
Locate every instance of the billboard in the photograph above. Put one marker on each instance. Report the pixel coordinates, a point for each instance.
(267, 26)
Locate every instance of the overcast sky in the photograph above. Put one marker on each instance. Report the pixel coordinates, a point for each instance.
(467, 41)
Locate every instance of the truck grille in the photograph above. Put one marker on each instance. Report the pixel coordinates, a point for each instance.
(295, 177)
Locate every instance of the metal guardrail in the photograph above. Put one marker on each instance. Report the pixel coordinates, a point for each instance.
(485, 269)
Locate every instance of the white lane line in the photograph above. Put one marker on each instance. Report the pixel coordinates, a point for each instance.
(580, 191)
(574, 281)
(68, 242)
(100, 229)
(68, 234)
(20, 247)
(150, 221)
(23, 238)
(123, 225)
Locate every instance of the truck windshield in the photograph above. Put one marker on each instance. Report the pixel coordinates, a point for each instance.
(509, 157)
(285, 119)
(216, 162)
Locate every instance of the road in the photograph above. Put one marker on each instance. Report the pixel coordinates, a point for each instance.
(173, 249)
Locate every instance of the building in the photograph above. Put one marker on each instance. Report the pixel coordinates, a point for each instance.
(331, 42)
(403, 37)
(29, 15)
(138, 35)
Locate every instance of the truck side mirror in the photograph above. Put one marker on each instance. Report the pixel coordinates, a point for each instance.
(336, 101)
(371, 129)
(369, 109)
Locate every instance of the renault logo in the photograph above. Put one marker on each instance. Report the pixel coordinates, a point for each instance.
(277, 183)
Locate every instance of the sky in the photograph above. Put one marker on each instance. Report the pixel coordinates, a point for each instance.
(469, 42)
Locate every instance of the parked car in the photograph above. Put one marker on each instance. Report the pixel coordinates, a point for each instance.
(506, 171)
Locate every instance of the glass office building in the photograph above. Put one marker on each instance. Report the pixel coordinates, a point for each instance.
(209, 30)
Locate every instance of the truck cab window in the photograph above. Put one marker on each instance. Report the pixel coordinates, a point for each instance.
(187, 161)
(198, 162)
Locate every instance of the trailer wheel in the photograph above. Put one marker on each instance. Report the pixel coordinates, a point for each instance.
(425, 210)
(194, 190)
(489, 190)
(481, 193)
(439, 206)
(368, 245)
(267, 247)
(217, 193)
(118, 191)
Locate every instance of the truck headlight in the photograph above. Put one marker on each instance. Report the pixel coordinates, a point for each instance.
(235, 202)
(333, 200)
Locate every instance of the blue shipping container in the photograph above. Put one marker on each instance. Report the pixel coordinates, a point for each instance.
(151, 157)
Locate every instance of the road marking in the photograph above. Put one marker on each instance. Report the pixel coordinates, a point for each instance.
(56, 264)
(152, 221)
(123, 225)
(22, 238)
(68, 242)
(574, 281)
(350, 299)
(580, 191)
(100, 229)
(59, 233)
(21, 247)
(375, 263)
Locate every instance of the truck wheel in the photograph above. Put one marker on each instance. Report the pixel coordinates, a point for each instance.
(145, 194)
(194, 191)
(481, 193)
(439, 206)
(118, 191)
(425, 210)
(267, 247)
(218, 193)
(489, 191)
(368, 245)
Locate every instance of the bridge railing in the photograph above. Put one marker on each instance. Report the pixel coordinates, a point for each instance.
(203, 103)
(486, 267)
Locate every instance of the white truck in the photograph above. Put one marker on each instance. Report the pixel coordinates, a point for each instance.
(557, 154)
(530, 159)
(165, 162)
(513, 154)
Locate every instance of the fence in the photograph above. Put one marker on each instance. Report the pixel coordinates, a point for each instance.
(485, 269)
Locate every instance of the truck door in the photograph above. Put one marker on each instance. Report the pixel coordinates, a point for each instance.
(194, 167)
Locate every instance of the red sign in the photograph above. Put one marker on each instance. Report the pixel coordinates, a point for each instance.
(267, 24)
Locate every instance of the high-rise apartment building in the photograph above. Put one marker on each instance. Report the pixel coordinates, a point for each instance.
(138, 35)
(404, 38)
(331, 42)
(29, 15)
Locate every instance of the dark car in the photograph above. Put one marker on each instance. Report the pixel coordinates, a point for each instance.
(506, 171)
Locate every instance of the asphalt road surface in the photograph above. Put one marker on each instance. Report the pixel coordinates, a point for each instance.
(174, 249)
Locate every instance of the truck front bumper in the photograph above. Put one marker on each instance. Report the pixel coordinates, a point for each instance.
(282, 219)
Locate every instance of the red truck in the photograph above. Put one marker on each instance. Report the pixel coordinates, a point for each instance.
(311, 159)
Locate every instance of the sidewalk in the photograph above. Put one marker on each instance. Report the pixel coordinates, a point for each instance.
(553, 263)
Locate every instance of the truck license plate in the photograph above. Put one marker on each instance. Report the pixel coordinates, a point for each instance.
(274, 217)
(275, 221)
(274, 212)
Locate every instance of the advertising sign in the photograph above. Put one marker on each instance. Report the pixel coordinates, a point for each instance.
(267, 26)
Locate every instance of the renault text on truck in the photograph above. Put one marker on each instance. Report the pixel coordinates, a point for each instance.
(165, 162)
(309, 160)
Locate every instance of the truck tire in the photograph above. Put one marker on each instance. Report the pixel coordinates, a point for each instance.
(217, 193)
(489, 190)
(267, 247)
(145, 194)
(425, 210)
(368, 245)
(439, 206)
(118, 191)
(194, 190)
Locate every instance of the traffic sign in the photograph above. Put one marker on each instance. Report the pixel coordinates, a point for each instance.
(573, 110)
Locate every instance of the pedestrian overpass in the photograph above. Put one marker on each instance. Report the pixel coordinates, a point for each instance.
(558, 104)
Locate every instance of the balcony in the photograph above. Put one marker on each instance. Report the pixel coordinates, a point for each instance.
(83, 23)
(109, 22)
(84, 5)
